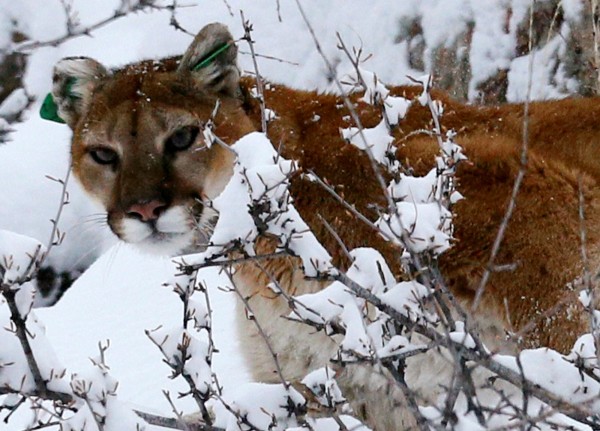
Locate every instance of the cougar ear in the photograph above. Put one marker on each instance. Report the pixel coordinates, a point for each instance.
(73, 84)
(212, 59)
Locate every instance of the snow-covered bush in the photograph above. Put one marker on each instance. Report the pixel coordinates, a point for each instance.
(377, 318)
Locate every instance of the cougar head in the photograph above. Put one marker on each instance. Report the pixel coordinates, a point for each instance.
(138, 145)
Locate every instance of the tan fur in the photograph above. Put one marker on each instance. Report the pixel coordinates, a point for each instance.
(137, 108)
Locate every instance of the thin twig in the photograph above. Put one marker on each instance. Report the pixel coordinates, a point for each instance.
(259, 82)
(595, 15)
(259, 328)
(188, 269)
(86, 31)
(479, 356)
(520, 175)
(55, 237)
(350, 106)
(41, 388)
(269, 57)
(174, 22)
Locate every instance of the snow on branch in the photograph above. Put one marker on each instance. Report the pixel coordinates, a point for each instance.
(74, 28)
(256, 202)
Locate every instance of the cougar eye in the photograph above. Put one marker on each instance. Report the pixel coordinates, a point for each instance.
(104, 156)
(182, 138)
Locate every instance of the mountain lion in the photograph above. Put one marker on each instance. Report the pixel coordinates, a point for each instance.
(138, 148)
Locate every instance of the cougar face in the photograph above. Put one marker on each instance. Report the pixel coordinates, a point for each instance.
(138, 143)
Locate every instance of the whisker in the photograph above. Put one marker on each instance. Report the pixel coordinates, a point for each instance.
(111, 261)
(98, 220)
(86, 219)
(93, 217)
(103, 214)
(78, 232)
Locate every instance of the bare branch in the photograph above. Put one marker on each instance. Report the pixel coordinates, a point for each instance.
(259, 82)
(73, 31)
(259, 328)
(521, 174)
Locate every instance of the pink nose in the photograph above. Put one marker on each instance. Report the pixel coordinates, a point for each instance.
(147, 211)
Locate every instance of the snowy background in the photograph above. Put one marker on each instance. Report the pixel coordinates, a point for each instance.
(120, 295)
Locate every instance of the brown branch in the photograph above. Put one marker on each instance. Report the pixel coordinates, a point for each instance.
(188, 269)
(46, 394)
(21, 332)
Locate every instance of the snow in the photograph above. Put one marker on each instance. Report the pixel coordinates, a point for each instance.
(98, 403)
(407, 298)
(575, 386)
(545, 64)
(256, 198)
(369, 270)
(14, 103)
(491, 46)
(273, 411)
(180, 346)
(122, 294)
(422, 224)
(118, 299)
(14, 372)
(572, 9)
(18, 255)
(322, 383)
(376, 139)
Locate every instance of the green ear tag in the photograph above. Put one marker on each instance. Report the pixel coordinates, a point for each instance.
(49, 110)
(210, 57)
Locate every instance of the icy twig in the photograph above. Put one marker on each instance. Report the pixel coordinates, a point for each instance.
(350, 106)
(188, 269)
(179, 369)
(269, 57)
(478, 355)
(250, 313)
(520, 175)
(228, 6)
(56, 237)
(73, 30)
(20, 329)
(259, 81)
(174, 22)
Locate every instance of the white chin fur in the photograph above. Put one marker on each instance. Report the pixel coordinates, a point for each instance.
(174, 220)
(173, 234)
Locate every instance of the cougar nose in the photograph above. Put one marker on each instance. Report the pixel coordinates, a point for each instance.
(147, 211)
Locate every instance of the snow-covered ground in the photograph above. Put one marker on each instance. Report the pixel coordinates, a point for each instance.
(119, 298)
(120, 295)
